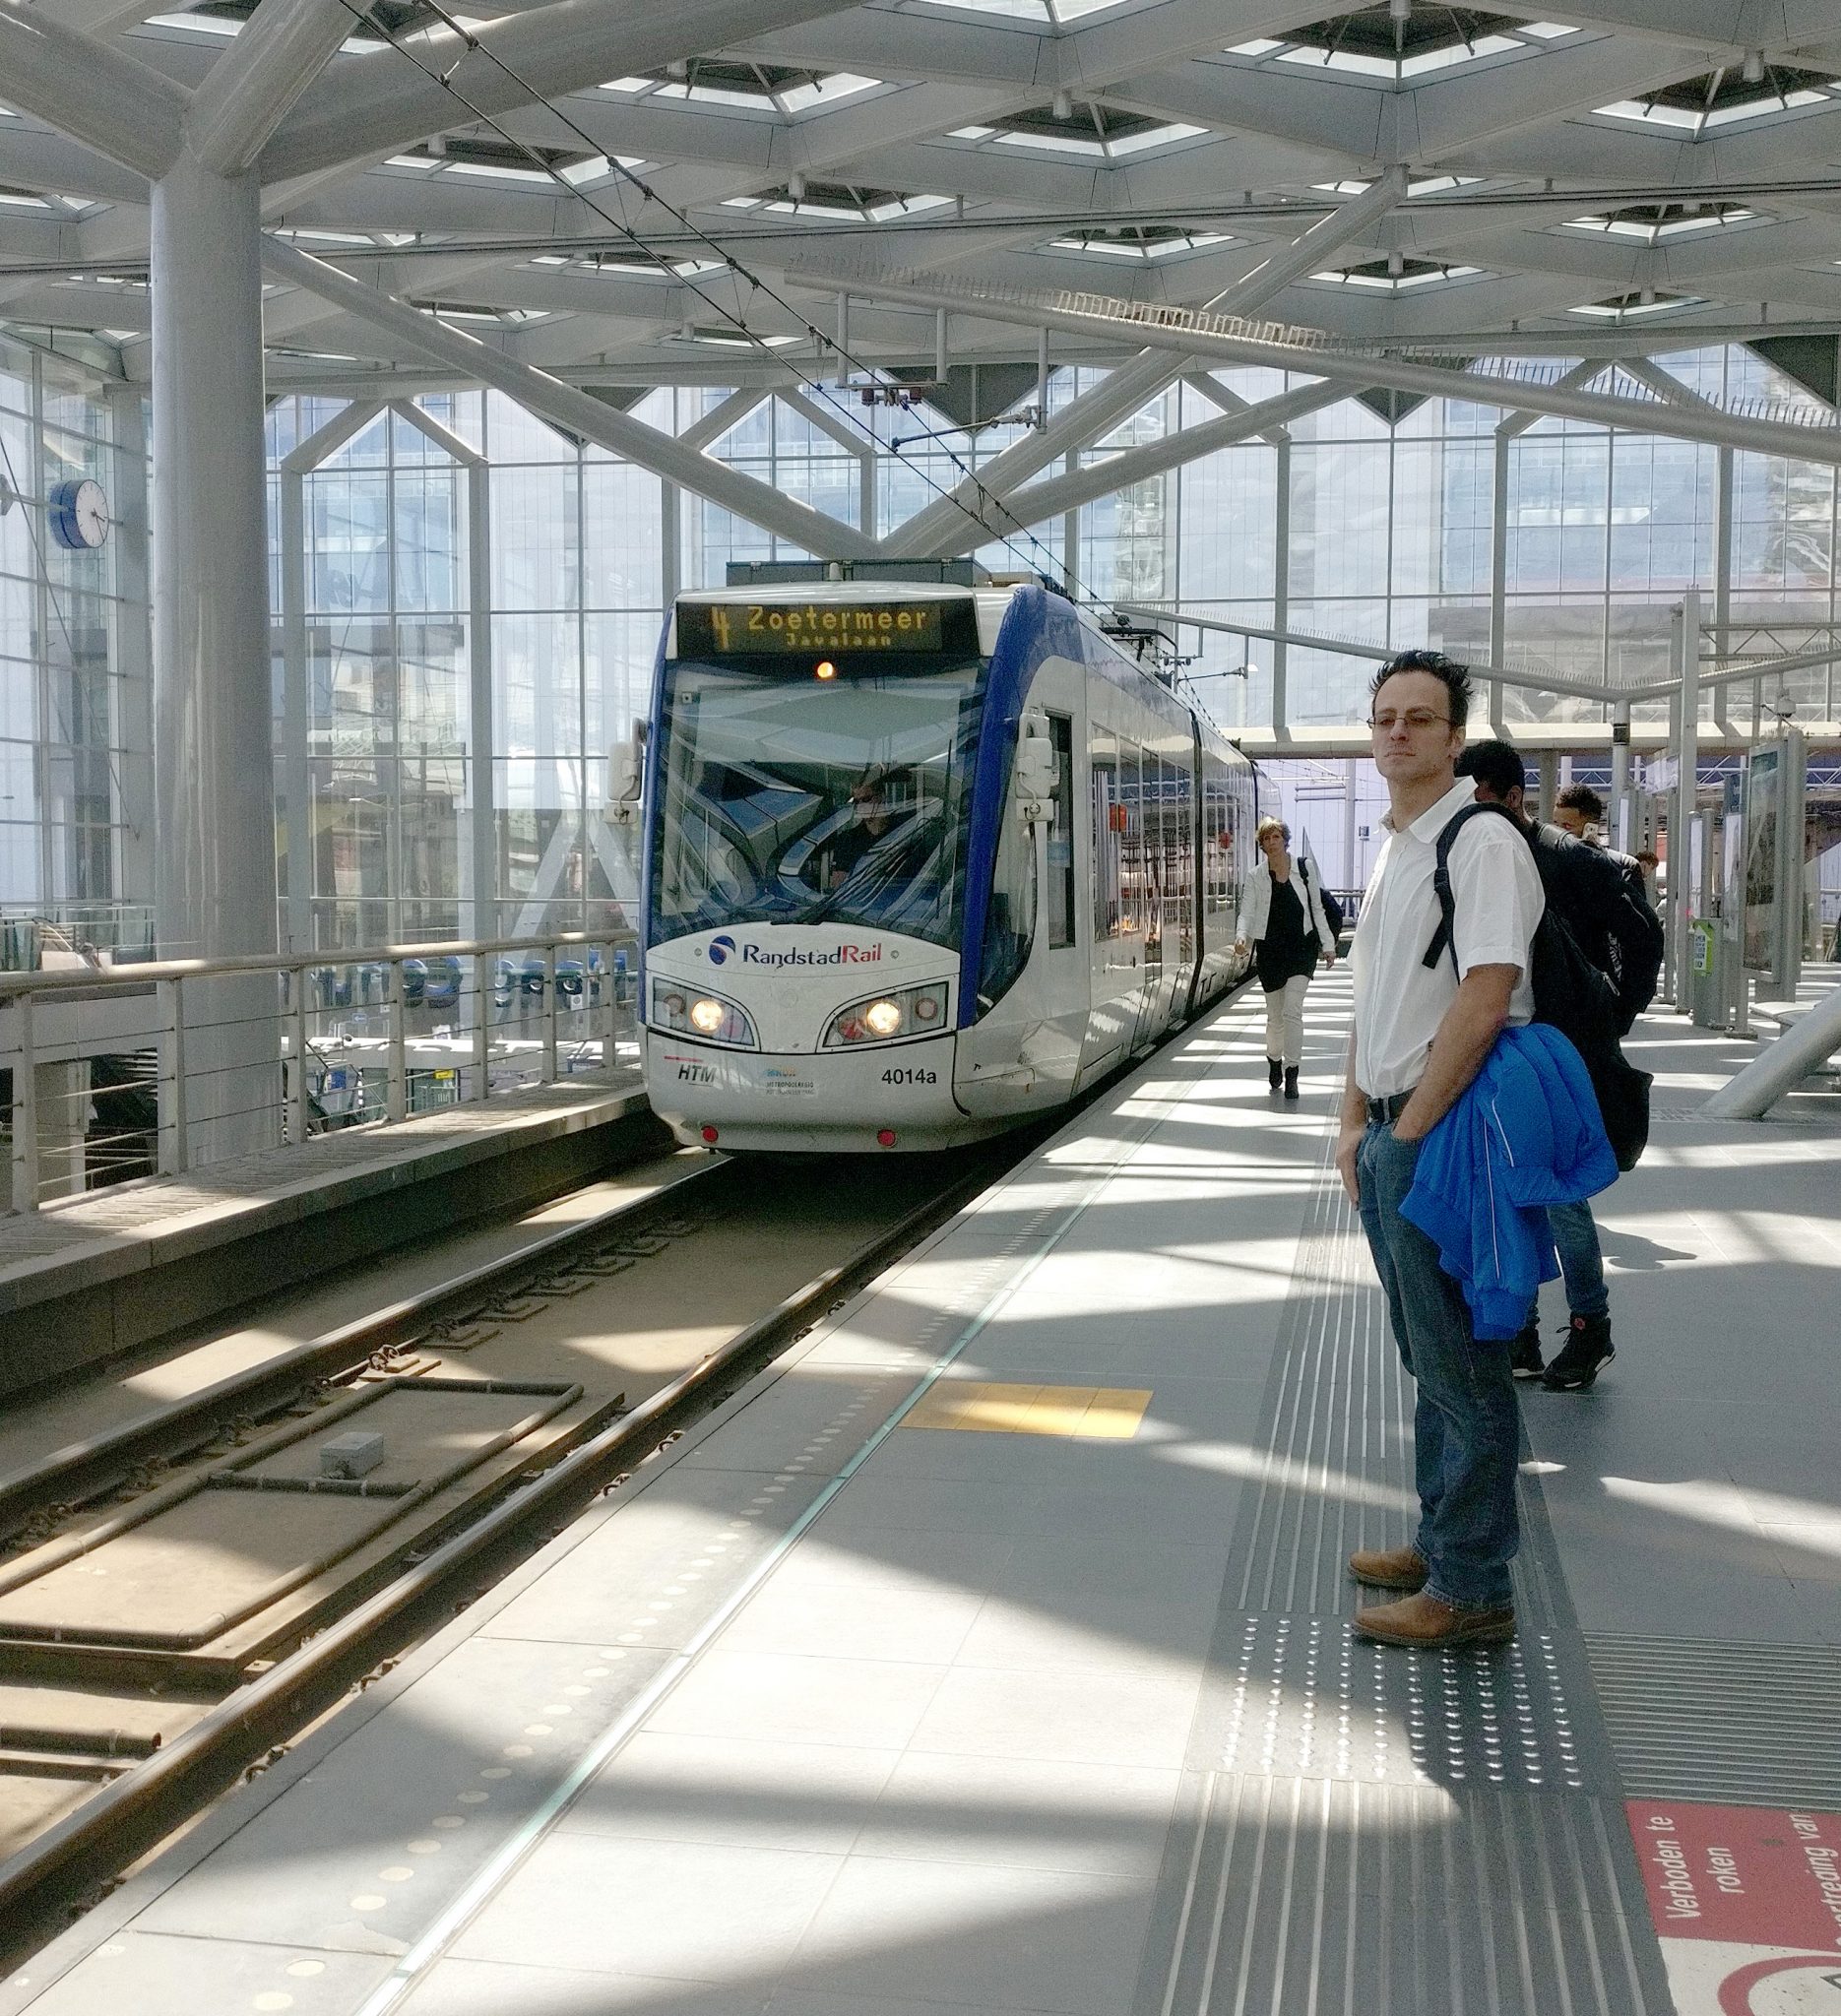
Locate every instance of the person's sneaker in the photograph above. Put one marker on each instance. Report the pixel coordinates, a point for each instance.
(1426, 1624)
(1586, 1352)
(1389, 1568)
(1524, 1353)
(1291, 1080)
(1275, 1074)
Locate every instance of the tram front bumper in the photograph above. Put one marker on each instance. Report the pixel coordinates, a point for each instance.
(837, 1100)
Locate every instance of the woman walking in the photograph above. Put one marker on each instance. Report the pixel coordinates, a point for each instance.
(1281, 915)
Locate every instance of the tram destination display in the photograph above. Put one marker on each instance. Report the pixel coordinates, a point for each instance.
(782, 629)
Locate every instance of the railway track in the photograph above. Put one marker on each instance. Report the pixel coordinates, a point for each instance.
(183, 1593)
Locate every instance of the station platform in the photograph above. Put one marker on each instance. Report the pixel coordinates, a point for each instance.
(88, 1278)
(990, 1653)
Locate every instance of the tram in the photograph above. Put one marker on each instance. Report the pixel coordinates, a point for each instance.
(922, 860)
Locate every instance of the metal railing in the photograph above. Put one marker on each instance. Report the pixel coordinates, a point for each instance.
(154, 1069)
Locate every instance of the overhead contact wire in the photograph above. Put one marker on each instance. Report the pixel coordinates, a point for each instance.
(813, 383)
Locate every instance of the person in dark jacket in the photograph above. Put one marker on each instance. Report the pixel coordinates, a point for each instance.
(1621, 937)
(1580, 811)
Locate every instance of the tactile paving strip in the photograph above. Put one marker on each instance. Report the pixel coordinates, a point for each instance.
(1338, 1429)
(1373, 1830)
(1305, 1896)
(1759, 1725)
(1308, 1699)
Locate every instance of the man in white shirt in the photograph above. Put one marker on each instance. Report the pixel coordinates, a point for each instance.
(1421, 1034)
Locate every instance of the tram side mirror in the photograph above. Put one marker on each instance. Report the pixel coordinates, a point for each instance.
(624, 775)
(1036, 782)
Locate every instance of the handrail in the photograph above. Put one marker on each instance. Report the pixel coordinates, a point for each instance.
(235, 1068)
(138, 972)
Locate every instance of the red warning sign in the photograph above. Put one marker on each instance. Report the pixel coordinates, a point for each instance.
(1742, 1874)
(1748, 1903)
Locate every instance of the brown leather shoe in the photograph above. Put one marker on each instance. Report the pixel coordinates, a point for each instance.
(1388, 1567)
(1427, 1626)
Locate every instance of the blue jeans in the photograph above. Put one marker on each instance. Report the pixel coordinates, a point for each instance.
(1466, 1431)
(1581, 1261)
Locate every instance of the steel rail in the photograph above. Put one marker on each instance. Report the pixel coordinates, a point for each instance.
(52, 1875)
(81, 1469)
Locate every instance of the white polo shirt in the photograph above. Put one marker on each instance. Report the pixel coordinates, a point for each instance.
(1399, 1000)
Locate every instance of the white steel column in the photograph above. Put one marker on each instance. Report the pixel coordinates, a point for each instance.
(134, 864)
(214, 766)
(1280, 582)
(216, 848)
(1680, 829)
(296, 770)
(1498, 575)
(482, 720)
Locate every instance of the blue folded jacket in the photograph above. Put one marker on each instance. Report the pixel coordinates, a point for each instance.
(1525, 1134)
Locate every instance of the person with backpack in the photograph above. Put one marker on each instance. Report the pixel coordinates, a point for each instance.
(1284, 917)
(1421, 1035)
(1580, 811)
(1586, 887)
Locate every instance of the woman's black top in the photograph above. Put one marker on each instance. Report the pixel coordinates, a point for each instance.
(1289, 947)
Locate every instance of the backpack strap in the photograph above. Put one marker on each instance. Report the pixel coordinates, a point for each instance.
(1442, 939)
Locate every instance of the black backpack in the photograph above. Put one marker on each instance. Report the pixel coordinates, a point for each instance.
(1332, 910)
(1570, 994)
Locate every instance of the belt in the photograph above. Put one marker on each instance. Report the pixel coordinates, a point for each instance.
(1381, 1110)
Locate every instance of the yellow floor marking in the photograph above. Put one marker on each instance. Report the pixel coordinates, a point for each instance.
(1084, 1412)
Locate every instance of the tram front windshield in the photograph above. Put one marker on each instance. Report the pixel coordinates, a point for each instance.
(799, 801)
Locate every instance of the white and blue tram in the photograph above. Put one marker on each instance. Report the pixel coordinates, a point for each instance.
(921, 860)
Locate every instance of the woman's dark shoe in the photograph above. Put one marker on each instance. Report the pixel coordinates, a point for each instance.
(1291, 1080)
(1275, 1072)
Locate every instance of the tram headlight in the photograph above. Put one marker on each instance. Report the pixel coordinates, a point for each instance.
(688, 1012)
(881, 1018)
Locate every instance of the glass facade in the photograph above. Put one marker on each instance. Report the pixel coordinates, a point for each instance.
(75, 774)
(468, 603)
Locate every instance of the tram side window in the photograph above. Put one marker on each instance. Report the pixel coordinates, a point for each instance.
(1010, 923)
(1142, 878)
(1177, 828)
(1061, 834)
(1218, 830)
(1109, 818)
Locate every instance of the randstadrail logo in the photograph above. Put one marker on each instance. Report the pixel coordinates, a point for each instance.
(719, 949)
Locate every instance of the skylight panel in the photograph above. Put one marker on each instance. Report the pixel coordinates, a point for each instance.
(742, 84)
(738, 339)
(1725, 98)
(827, 91)
(1089, 128)
(1430, 185)
(1383, 45)
(1395, 277)
(1634, 306)
(1649, 223)
(465, 311)
(632, 267)
(1057, 13)
(837, 201)
(502, 161)
(1142, 241)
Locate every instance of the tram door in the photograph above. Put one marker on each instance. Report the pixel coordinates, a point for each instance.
(1117, 897)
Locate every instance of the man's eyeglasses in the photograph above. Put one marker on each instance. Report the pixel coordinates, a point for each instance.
(1417, 719)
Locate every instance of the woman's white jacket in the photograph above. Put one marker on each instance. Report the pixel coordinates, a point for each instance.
(1256, 904)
